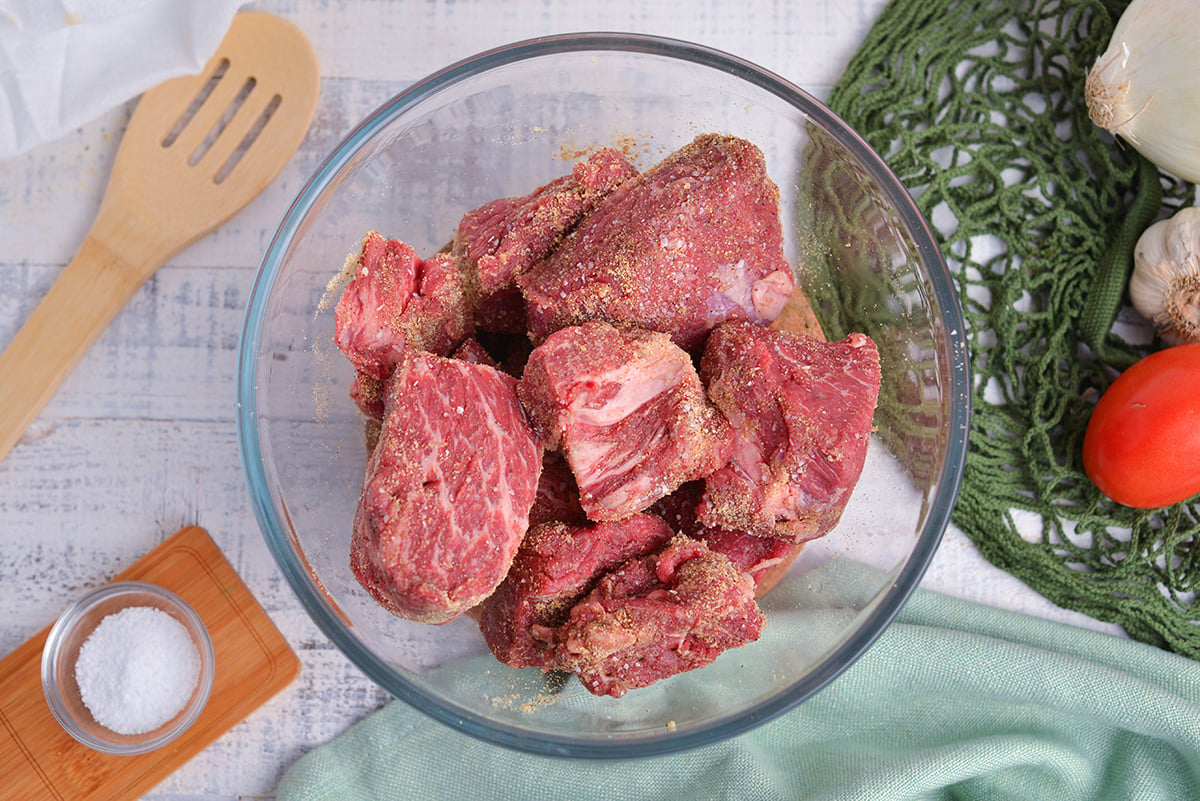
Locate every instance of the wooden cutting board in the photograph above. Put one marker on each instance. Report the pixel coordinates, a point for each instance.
(38, 760)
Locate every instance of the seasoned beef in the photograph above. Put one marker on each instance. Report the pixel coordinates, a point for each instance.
(801, 413)
(367, 391)
(500, 239)
(764, 559)
(555, 566)
(545, 454)
(473, 352)
(693, 241)
(654, 617)
(396, 301)
(367, 394)
(448, 488)
(628, 410)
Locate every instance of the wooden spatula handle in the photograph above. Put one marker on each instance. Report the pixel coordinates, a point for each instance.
(88, 293)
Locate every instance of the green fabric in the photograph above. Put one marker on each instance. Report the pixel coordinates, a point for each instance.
(977, 105)
(955, 701)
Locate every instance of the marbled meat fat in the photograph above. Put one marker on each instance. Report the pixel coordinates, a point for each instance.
(448, 488)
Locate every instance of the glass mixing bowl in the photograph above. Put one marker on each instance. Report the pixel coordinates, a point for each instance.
(500, 124)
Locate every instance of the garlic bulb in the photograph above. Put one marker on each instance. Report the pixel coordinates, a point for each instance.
(1165, 286)
(1146, 85)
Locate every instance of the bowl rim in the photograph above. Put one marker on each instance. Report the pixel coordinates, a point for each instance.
(71, 616)
(937, 515)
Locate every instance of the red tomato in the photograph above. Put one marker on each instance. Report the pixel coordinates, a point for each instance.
(1142, 446)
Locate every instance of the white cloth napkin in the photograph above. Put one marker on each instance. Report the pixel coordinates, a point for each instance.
(65, 62)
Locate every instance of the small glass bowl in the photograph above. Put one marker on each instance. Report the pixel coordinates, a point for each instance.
(73, 628)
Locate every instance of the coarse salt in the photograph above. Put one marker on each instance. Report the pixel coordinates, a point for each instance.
(137, 670)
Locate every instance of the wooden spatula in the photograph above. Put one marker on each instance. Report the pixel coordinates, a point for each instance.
(197, 150)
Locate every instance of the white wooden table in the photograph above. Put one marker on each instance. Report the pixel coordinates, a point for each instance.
(141, 440)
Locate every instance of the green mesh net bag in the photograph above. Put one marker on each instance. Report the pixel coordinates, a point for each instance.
(977, 105)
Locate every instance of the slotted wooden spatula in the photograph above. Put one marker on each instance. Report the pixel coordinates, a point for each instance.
(197, 150)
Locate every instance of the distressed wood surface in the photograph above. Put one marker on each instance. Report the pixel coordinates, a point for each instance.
(140, 440)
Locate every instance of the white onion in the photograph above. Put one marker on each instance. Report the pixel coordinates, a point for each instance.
(1146, 86)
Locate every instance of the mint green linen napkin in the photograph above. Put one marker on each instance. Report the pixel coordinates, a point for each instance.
(955, 701)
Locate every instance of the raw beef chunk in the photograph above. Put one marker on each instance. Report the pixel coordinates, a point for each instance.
(628, 410)
(692, 242)
(502, 238)
(448, 488)
(367, 394)
(801, 413)
(654, 617)
(396, 301)
(764, 559)
(473, 352)
(555, 566)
